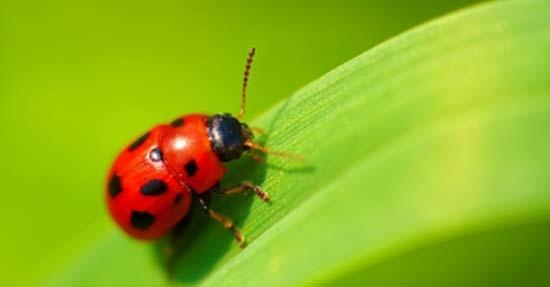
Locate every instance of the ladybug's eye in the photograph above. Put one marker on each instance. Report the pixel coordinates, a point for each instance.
(155, 155)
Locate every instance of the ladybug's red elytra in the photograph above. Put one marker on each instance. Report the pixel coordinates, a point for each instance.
(153, 181)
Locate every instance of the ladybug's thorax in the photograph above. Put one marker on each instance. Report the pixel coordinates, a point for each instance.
(228, 136)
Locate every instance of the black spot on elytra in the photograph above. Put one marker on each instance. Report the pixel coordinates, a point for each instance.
(142, 220)
(155, 155)
(138, 142)
(178, 199)
(115, 187)
(177, 122)
(191, 167)
(154, 187)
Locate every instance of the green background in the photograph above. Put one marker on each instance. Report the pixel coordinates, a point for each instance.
(79, 80)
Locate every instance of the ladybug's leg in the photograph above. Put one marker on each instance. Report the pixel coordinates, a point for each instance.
(246, 186)
(225, 221)
(258, 130)
(256, 147)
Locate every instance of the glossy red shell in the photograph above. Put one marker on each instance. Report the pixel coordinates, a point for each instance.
(189, 142)
(148, 197)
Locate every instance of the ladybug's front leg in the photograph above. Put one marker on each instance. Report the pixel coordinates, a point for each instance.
(246, 186)
(225, 221)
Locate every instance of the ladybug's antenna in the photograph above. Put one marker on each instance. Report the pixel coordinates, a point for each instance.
(245, 80)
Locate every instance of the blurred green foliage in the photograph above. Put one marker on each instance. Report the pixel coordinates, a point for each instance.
(79, 79)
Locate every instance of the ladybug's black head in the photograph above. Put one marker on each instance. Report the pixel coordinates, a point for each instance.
(228, 136)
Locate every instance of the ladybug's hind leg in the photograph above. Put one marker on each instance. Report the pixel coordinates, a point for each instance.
(245, 187)
(225, 221)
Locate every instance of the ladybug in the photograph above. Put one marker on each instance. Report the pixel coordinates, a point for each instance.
(154, 180)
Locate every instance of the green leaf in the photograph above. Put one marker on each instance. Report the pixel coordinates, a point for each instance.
(427, 163)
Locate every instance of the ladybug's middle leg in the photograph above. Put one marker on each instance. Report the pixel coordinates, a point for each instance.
(245, 187)
(225, 221)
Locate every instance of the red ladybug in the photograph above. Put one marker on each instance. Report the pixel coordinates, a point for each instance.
(151, 184)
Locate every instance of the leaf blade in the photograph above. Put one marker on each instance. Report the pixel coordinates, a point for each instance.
(470, 101)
